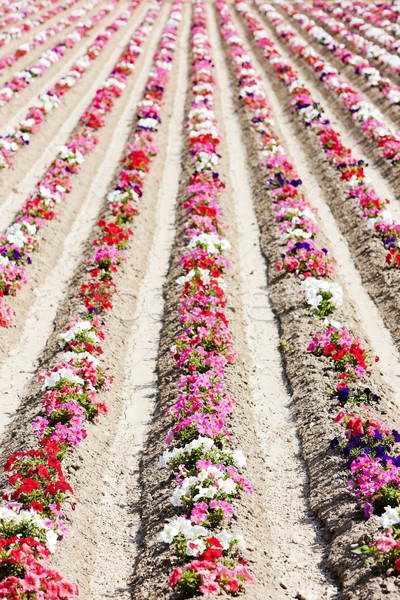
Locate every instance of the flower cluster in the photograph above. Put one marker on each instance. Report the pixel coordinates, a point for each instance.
(349, 169)
(205, 466)
(34, 514)
(52, 55)
(361, 66)
(349, 359)
(323, 297)
(33, 576)
(56, 183)
(360, 110)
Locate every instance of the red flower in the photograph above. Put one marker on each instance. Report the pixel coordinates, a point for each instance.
(38, 506)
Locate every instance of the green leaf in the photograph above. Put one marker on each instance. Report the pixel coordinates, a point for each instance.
(362, 550)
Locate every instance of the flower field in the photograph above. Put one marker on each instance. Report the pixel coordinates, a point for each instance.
(199, 299)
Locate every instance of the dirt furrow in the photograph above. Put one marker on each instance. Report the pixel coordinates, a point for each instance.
(37, 304)
(138, 378)
(309, 379)
(342, 121)
(358, 82)
(57, 129)
(366, 249)
(295, 548)
(14, 111)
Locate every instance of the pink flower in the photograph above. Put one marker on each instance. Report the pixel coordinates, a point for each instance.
(175, 576)
(385, 543)
(339, 416)
(210, 588)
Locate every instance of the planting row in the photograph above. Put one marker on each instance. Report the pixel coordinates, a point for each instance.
(22, 79)
(33, 518)
(205, 466)
(368, 441)
(348, 174)
(22, 237)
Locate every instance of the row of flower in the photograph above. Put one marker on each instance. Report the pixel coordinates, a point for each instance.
(361, 66)
(349, 169)
(361, 111)
(384, 27)
(18, 31)
(17, 11)
(200, 456)
(22, 238)
(381, 14)
(50, 57)
(19, 136)
(20, 11)
(42, 37)
(368, 443)
(32, 521)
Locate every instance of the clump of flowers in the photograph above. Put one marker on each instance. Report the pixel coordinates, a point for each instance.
(323, 297)
(208, 576)
(349, 359)
(306, 260)
(25, 572)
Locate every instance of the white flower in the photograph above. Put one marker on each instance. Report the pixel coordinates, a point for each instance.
(391, 516)
(168, 533)
(76, 329)
(15, 235)
(208, 492)
(214, 243)
(65, 373)
(148, 123)
(195, 547)
(239, 458)
(227, 485)
(313, 288)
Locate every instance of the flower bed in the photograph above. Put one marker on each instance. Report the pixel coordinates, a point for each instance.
(50, 57)
(71, 387)
(361, 111)
(19, 136)
(347, 167)
(21, 238)
(206, 468)
(361, 66)
(368, 444)
(343, 12)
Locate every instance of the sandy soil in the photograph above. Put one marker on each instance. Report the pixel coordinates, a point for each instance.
(301, 520)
